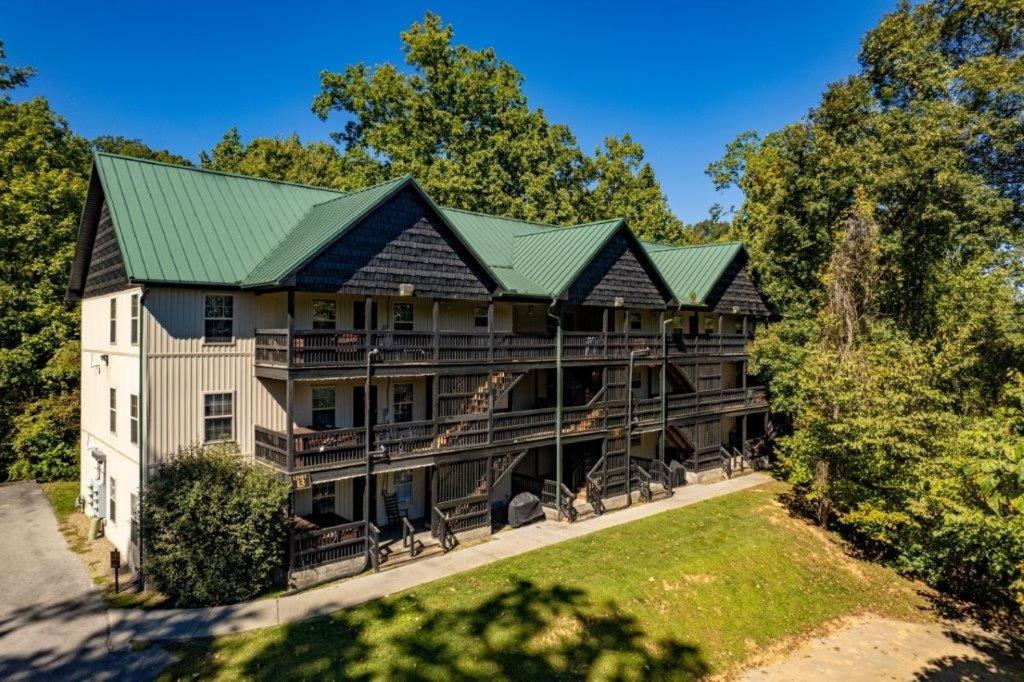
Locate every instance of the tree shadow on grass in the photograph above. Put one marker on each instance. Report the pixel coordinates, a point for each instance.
(525, 632)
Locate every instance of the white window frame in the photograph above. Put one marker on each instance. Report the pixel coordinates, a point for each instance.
(411, 402)
(113, 411)
(477, 316)
(332, 495)
(403, 489)
(403, 305)
(134, 317)
(205, 417)
(313, 409)
(112, 500)
(133, 418)
(216, 341)
(638, 318)
(113, 321)
(334, 314)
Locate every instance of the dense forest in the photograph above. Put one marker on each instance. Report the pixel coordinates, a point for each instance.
(885, 227)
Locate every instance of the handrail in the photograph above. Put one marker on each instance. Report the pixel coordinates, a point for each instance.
(444, 534)
(595, 489)
(644, 480)
(408, 536)
(726, 460)
(373, 545)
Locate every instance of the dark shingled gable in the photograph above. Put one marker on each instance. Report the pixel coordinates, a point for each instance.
(616, 271)
(402, 241)
(735, 289)
(106, 272)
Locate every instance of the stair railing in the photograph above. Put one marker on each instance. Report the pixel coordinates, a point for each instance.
(595, 486)
(644, 480)
(373, 545)
(408, 537)
(726, 458)
(444, 534)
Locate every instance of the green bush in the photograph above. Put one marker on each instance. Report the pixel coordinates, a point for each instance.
(213, 527)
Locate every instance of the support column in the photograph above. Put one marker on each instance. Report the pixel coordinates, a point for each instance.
(435, 328)
(558, 410)
(289, 390)
(490, 331)
(664, 385)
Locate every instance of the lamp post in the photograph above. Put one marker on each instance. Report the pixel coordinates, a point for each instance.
(629, 421)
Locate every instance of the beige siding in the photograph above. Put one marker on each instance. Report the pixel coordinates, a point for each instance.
(106, 366)
(181, 368)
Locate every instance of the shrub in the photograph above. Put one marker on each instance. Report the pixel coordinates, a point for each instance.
(213, 527)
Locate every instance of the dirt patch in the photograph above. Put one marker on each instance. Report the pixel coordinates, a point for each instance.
(95, 555)
(868, 646)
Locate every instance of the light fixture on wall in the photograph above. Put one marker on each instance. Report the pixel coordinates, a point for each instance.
(406, 289)
(619, 302)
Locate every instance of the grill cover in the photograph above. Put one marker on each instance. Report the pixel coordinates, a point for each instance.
(523, 508)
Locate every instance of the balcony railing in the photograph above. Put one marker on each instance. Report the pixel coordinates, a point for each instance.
(345, 447)
(338, 348)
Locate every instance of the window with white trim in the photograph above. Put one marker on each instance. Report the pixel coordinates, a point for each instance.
(480, 317)
(112, 502)
(113, 410)
(402, 317)
(325, 314)
(403, 403)
(323, 498)
(135, 320)
(636, 322)
(324, 402)
(218, 318)
(133, 418)
(113, 321)
(218, 417)
(403, 488)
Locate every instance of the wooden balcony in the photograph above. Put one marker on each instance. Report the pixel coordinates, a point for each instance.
(317, 349)
(336, 448)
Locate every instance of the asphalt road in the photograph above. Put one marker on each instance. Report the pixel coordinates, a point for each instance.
(53, 623)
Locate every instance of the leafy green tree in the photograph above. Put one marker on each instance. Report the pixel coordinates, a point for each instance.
(459, 122)
(214, 527)
(116, 144)
(42, 186)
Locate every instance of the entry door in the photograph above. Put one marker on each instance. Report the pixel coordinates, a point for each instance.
(358, 415)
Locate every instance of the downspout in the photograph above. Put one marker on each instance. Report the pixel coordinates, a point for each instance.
(664, 380)
(140, 583)
(558, 405)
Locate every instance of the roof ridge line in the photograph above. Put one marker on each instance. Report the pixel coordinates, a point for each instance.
(734, 242)
(504, 217)
(211, 171)
(572, 227)
(353, 193)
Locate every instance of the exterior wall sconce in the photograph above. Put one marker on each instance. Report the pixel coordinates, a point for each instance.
(619, 302)
(406, 289)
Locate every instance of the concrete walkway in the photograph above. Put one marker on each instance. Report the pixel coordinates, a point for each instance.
(129, 625)
(53, 622)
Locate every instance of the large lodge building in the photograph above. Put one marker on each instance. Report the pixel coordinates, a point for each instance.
(409, 368)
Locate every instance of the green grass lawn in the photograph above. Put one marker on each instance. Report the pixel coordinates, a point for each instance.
(681, 594)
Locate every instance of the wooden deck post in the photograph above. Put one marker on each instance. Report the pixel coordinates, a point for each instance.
(436, 328)
(289, 390)
(490, 330)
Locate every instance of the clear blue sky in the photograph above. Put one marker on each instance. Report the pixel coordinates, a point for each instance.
(684, 78)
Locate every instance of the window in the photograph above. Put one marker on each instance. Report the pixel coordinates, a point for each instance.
(133, 418)
(112, 503)
(737, 325)
(403, 403)
(135, 319)
(638, 381)
(480, 317)
(323, 407)
(218, 318)
(218, 417)
(634, 441)
(325, 314)
(113, 410)
(403, 488)
(403, 317)
(636, 322)
(323, 498)
(113, 321)
(710, 324)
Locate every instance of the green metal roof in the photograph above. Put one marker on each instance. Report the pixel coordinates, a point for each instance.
(180, 224)
(195, 226)
(553, 259)
(317, 229)
(692, 271)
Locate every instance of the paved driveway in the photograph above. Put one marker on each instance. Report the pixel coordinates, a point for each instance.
(53, 624)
